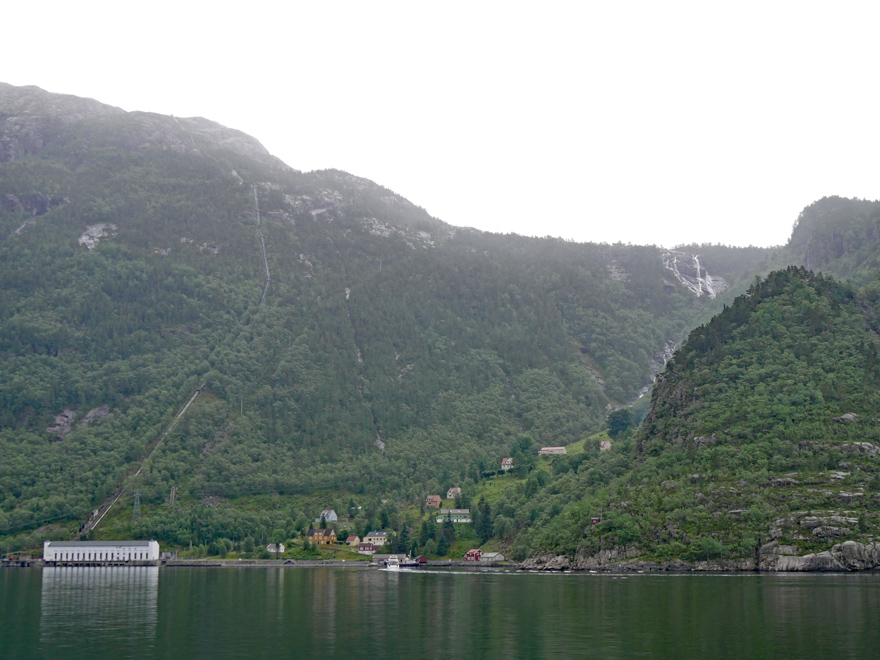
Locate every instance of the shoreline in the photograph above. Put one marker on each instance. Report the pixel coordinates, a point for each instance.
(243, 563)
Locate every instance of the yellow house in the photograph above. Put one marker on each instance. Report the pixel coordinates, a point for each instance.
(322, 536)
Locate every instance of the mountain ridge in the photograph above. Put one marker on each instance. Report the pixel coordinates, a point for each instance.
(392, 356)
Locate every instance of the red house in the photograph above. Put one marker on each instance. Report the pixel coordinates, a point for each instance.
(473, 554)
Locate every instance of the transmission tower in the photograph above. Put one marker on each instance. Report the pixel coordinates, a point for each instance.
(136, 510)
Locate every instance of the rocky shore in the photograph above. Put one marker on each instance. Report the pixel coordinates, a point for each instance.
(849, 556)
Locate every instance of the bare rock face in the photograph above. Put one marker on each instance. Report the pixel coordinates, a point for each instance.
(704, 441)
(848, 418)
(693, 275)
(866, 448)
(192, 133)
(847, 556)
(94, 233)
(95, 414)
(29, 113)
(34, 204)
(547, 562)
(608, 557)
(63, 424)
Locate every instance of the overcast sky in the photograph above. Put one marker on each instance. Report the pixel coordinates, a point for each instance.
(641, 122)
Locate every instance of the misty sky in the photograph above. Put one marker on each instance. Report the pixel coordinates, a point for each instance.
(641, 122)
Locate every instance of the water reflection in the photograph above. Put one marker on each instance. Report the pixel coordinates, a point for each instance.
(324, 614)
(108, 611)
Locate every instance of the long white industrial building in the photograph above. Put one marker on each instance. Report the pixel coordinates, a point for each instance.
(96, 552)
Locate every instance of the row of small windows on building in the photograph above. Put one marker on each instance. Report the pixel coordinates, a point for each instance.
(99, 556)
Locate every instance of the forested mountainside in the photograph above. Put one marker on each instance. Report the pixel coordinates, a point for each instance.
(838, 236)
(760, 448)
(339, 337)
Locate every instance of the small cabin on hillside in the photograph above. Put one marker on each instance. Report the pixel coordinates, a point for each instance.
(506, 464)
(453, 492)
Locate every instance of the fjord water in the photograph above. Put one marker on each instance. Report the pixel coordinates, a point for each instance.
(350, 613)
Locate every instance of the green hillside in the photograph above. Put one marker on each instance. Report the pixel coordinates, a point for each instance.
(388, 355)
(761, 445)
(235, 346)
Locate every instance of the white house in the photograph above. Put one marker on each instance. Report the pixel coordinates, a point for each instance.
(91, 552)
(506, 463)
(376, 538)
(327, 514)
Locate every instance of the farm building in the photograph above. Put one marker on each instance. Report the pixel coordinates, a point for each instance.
(97, 552)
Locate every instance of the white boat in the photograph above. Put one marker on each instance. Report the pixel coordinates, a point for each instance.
(392, 563)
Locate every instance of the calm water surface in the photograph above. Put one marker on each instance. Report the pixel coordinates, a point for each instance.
(367, 613)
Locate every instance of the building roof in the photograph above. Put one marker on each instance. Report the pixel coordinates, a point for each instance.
(96, 544)
(551, 448)
(493, 555)
(464, 512)
(377, 534)
(321, 532)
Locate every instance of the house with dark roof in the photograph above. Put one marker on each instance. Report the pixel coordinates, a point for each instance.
(321, 536)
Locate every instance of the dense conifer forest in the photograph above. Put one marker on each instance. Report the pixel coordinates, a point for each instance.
(388, 356)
